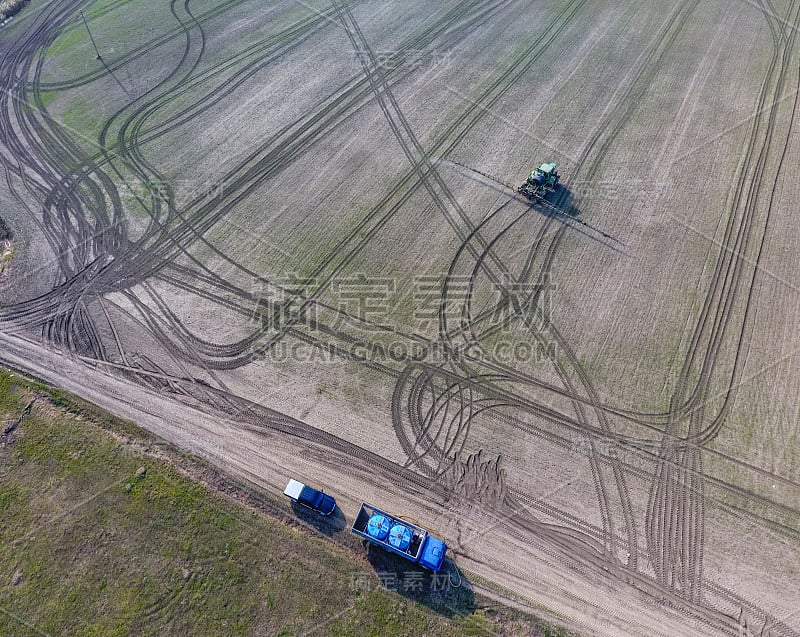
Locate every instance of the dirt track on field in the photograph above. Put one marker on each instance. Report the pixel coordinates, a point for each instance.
(566, 479)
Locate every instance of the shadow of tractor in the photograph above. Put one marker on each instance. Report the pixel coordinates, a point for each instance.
(559, 202)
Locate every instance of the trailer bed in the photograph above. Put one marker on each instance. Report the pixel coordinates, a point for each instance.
(399, 536)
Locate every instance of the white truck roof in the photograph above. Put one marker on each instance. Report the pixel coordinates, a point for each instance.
(293, 489)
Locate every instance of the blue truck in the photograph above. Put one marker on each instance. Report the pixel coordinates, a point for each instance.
(310, 497)
(399, 536)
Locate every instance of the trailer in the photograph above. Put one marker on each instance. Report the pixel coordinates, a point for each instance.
(399, 536)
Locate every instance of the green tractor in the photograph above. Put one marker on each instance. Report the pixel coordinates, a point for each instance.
(542, 179)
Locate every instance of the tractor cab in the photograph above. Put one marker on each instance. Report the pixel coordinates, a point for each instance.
(541, 179)
(547, 168)
(549, 172)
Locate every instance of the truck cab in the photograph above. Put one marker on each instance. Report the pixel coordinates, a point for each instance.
(433, 554)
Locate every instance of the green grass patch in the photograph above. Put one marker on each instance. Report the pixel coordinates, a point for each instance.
(81, 117)
(46, 98)
(73, 36)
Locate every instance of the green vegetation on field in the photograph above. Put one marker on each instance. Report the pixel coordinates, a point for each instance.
(101, 538)
(81, 119)
(46, 98)
(75, 35)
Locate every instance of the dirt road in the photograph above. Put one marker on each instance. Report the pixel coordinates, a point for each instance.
(542, 566)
